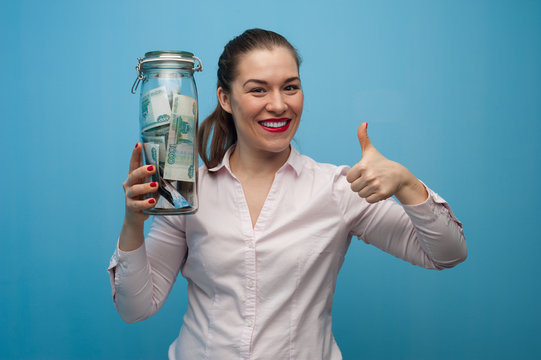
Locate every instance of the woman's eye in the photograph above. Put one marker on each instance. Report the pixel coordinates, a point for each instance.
(257, 90)
(291, 87)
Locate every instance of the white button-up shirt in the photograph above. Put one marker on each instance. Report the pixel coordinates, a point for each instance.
(266, 292)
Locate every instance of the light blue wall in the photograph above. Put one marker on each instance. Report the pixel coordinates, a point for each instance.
(451, 89)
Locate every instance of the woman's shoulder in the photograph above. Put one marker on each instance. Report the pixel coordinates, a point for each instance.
(321, 168)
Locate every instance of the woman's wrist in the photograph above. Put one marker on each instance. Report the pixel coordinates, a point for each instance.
(132, 234)
(411, 190)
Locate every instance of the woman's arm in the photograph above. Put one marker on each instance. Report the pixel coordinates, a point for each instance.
(132, 233)
(142, 274)
(426, 234)
(141, 279)
(423, 230)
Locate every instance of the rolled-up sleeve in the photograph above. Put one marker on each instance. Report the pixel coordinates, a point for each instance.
(142, 279)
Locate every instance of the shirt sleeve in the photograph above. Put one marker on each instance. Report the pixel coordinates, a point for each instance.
(142, 279)
(427, 234)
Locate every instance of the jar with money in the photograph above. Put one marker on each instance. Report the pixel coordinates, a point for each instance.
(168, 123)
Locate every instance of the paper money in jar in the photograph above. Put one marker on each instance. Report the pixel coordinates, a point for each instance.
(168, 124)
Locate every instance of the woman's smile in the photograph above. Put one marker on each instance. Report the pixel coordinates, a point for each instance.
(275, 125)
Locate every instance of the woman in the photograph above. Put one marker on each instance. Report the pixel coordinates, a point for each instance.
(263, 252)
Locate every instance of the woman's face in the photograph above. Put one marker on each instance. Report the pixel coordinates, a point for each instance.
(265, 100)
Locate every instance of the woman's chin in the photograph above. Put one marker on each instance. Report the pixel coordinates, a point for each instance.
(277, 146)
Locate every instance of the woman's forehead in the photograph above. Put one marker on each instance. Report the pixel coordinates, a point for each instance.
(264, 64)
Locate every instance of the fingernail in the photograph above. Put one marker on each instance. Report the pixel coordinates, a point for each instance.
(150, 168)
(153, 184)
(151, 201)
(136, 145)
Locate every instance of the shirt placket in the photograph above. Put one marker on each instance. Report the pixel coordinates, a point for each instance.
(250, 275)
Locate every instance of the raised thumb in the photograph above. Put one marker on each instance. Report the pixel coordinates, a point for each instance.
(364, 140)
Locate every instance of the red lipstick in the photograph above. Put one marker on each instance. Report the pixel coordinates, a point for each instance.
(275, 125)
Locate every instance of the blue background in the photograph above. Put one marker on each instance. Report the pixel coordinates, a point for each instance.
(451, 89)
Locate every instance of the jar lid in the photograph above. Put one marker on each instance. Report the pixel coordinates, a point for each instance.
(168, 52)
(165, 59)
(169, 59)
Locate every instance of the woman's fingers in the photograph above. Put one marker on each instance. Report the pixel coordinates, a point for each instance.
(135, 187)
(134, 193)
(136, 158)
(138, 190)
(371, 187)
(355, 172)
(363, 187)
(140, 205)
(139, 175)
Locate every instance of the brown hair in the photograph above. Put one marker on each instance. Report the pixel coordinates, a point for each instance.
(219, 125)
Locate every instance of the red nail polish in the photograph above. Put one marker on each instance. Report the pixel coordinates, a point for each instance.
(151, 201)
(136, 145)
(150, 168)
(153, 184)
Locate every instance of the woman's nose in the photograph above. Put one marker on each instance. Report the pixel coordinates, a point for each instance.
(276, 103)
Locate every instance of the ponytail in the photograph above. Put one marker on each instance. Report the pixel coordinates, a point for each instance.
(220, 129)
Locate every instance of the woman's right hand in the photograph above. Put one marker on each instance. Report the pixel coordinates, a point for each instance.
(135, 188)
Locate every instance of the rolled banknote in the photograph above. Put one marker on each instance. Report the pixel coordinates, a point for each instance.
(152, 154)
(155, 109)
(171, 93)
(156, 139)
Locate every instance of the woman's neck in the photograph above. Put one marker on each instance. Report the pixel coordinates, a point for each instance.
(251, 163)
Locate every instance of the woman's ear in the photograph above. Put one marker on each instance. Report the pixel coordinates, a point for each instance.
(223, 98)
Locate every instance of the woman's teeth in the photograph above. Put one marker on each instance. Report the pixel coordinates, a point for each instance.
(273, 124)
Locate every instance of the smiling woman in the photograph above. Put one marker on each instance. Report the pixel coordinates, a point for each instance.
(262, 254)
(254, 68)
(266, 100)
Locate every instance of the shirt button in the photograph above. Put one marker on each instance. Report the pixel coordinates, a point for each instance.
(250, 284)
(249, 323)
(251, 245)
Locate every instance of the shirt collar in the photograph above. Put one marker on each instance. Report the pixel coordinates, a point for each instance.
(225, 161)
(294, 161)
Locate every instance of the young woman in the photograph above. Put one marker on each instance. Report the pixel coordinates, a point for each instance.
(262, 254)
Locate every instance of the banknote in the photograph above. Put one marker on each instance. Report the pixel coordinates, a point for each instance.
(155, 108)
(178, 200)
(171, 93)
(156, 139)
(179, 164)
(184, 105)
(182, 126)
(152, 155)
(167, 190)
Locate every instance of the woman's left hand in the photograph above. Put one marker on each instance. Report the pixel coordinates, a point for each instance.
(376, 178)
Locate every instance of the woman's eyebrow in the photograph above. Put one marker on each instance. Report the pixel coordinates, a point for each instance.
(263, 82)
(294, 78)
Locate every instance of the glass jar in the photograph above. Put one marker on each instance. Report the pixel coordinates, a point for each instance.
(168, 120)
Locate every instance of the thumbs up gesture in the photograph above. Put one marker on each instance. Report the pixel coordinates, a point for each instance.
(376, 178)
